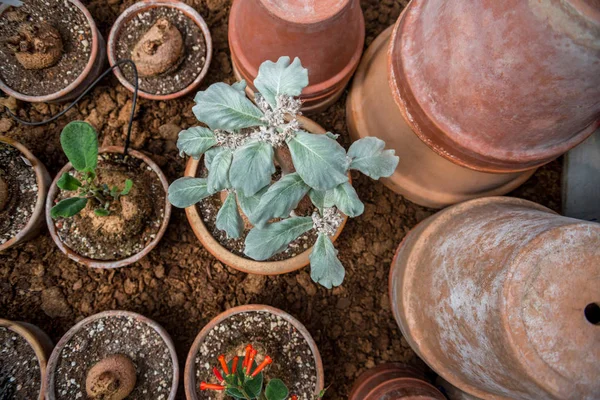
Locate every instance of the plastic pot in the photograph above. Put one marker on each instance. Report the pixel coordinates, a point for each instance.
(327, 35)
(92, 70)
(53, 192)
(422, 176)
(54, 358)
(145, 5)
(241, 263)
(36, 221)
(189, 378)
(499, 297)
(39, 342)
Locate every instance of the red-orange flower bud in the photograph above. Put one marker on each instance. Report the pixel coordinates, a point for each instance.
(250, 361)
(268, 360)
(218, 374)
(234, 364)
(211, 386)
(247, 354)
(224, 364)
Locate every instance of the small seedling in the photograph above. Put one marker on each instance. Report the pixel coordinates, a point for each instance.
(239, 148)
(79, 141)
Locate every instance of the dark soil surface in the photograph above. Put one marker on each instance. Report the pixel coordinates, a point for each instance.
(76, 37)
(180, 284)
(20, 371)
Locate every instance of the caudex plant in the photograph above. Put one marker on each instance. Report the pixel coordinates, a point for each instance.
(79, 141)
(240, 144)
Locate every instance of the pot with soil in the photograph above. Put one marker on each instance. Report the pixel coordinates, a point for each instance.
(24, 351)
(113, 355)
(498, 296)
(394, 381)
(170, 44)
(270, 197)
(51, 50)
(24, 183)
(327, 35)
(105, 208)
(251, 338)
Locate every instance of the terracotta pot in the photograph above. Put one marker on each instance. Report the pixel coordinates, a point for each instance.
(145, 5)
(92, 70)
(507, 98)
(422, 176)
(54, 358)
(39, 342)
(189, 377)
(452, 392)
(241, 263)
(53, 192)
(327, 35)
(498, 296)
(36, 221)
(393, 381)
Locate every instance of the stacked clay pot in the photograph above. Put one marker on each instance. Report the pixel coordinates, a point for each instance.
(470, 111)
(500, 297)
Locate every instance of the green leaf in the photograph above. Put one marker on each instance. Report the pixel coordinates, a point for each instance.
(253, 386)
(249, 203)
(276, 390)
(229, 219)
(346, 200)
(187, 191)
(262, 244)
(68, 182)
(369, 157)
(252, 167)
(210, 155)
(241, 86)
(320, 160)
(279, 78)
(281, 198)
(195, 141)
(127, 188)
(79, 141)
(101, 212)
(218, 175)
(68, 207)
(318, 199)
(224, 107)
(325, 267)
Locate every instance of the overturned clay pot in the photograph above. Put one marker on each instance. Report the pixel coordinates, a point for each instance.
(37, 46)
(112, 378)
(160, 50)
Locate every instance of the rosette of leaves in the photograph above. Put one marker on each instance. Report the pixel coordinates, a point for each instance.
(79, 142)
(238, 147)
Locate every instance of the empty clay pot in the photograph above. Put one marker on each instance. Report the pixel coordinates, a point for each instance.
(327, 35)
(37, 220)
(241, 263)
(393, 381)
(422, 176)
(500, 297)
(39, 342)
(506, 98)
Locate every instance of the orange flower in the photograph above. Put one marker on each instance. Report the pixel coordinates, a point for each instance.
(234, 364)
(248, 351)
(224, 364)
(250, 361)
(211, 386)
(218, 374)
(268, 360)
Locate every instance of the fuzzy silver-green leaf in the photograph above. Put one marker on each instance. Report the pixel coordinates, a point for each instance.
(218, 175)
(281, 198)
(68, 182)
(325, 267)
(195, 141)
(318, 199)
(369, 157)
(346, 200)
(229, 219)
(187, 191)
(279, 78)
(79, 141)
(252, 167)
(262, 244)
(249, 203)
(210, 155)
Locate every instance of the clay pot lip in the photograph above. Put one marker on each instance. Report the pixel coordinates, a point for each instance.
(86, 71)
(141, 6)
(29, 336)
(243, 264)
(308, 20)
(189, 378)
(54, 357)
(42, 178)
(53, 191)
(370, 377)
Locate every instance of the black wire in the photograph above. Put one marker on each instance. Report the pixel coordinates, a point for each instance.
(90, 87)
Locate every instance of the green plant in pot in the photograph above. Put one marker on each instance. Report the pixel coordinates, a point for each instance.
(240, 147)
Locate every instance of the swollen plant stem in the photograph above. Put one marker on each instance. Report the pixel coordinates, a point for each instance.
(90, 87)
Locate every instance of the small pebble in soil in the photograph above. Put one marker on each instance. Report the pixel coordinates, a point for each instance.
(20, 374)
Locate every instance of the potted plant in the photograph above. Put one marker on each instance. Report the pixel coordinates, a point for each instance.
(105, 208)
(262, 353)
(270, 211)
(51, 50)
(113, 355)
(24, 350)
(24, 183)
(170, 44)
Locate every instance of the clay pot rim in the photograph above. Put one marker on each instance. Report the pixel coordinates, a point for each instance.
(400, 383)
(240, 263)
(367, 377)
(41, 177)
(308, 20)
(35, 344)
(53, 191)
(54, 357)
(86, 71)
(189, 377)
(141, 6)
(427, 356)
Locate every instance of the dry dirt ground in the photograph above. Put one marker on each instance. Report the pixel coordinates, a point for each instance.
(180, 284)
